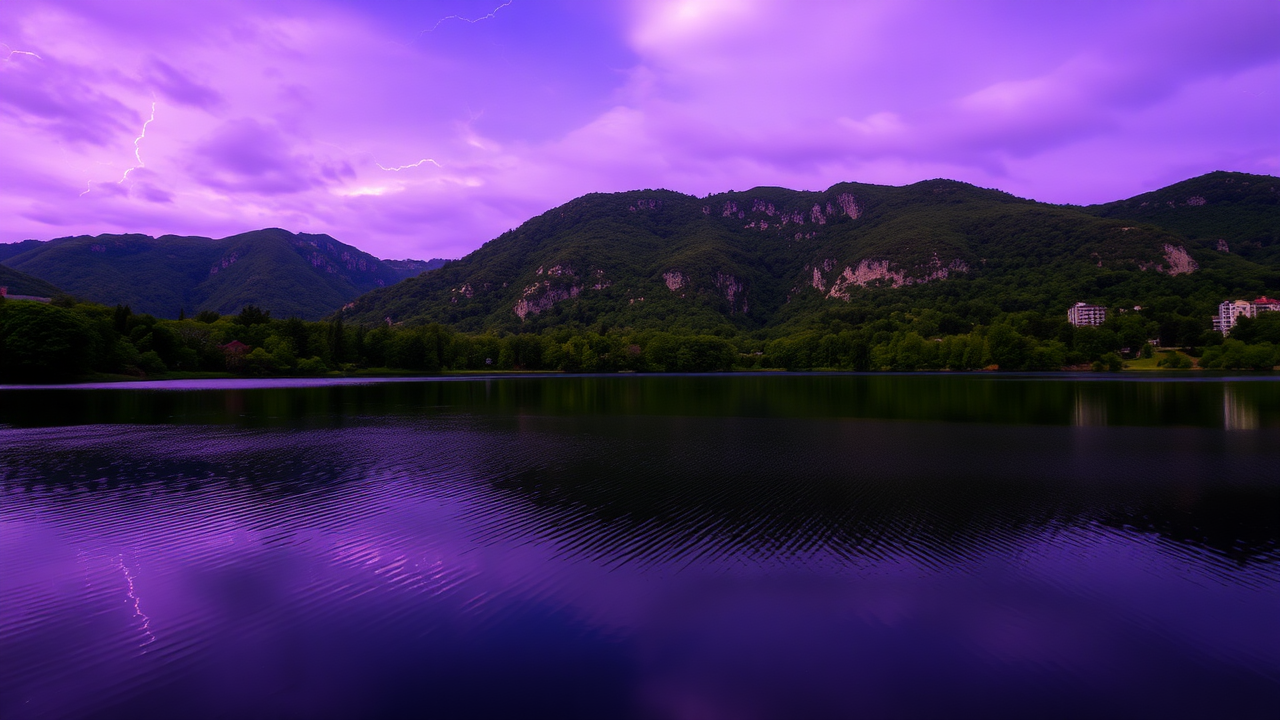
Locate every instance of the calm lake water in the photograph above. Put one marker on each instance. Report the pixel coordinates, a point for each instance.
(779, 546)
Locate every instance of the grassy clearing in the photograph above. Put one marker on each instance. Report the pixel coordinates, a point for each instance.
(1152, 363)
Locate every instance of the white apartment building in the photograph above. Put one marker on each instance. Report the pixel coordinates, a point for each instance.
(1086, 314)
(1231, 310)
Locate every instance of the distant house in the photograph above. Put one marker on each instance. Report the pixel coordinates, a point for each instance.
(234, 352)
(1082, 314)
(1231, 310)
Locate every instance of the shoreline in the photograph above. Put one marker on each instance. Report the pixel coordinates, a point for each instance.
(209, 381)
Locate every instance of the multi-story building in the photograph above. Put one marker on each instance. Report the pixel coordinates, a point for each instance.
(1086, 314)
(1231, 310)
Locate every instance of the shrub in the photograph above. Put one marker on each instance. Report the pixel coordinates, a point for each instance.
(150, 363)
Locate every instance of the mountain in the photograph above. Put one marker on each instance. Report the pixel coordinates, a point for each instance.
(1240, 210)
(8, 250)
(772, 257)
(22, 284)
(410, 268)
(306, 275)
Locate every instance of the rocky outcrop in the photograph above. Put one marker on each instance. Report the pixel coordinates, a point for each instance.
(646, 204)
(734, 291)
(557, 271)
(850, 205)
(227, 261)
(817, 282)
(674, 280)
(876, 272)
(867, 272)
(539, 297)
(1178, 261)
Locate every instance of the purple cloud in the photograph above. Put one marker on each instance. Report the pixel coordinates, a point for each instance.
(46, 95)
(180, 88)
(290, 114)
(246, 155)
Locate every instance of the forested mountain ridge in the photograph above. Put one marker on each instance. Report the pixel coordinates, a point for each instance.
(778, 258)
(18, 283)
(931, 276)
(289, 274)
(409, 268)
(1224, 211)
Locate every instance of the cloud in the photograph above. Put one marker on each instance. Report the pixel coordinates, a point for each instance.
(60, 100)
(180, 88)
(246, 155)
(279, 114)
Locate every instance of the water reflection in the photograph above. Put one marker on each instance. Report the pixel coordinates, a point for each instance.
(967, 398)
(597, 548)
(1238, 410)
(1089, 411)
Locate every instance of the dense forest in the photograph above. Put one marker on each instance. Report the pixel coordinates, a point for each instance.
(290, 274)
(17, 283)
(65, 340)
(782, 261)
(938, 275)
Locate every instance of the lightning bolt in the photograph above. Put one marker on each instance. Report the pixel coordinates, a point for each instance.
(137, 151)
(12, 52)
(137, 607)
(406, 167)
(88, 184)
(464, 19)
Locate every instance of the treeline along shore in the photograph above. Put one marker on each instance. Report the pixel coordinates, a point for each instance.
(68, 340)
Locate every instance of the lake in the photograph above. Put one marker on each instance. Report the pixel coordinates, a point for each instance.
(732, 546)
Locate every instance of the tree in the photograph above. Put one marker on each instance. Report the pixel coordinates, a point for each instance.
(1092, 343)
(296, 330)
(252, 315)
(1264, 328)
(121, 319)
(1006, 348)
(40, 342)
(334, 339)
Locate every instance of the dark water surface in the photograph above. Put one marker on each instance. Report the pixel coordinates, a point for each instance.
(683, 547)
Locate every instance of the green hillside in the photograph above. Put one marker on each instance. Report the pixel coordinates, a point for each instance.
(771, 259)
(23, 284)
(8, 250)
(306, 275)
(1241, 210)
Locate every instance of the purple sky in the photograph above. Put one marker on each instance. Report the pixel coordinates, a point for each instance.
(424, 128)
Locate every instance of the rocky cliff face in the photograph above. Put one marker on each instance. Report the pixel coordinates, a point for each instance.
(872, 273)
(1177, 261)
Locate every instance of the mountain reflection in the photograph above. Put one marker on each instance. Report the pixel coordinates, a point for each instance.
(640, 471)
(964, 398)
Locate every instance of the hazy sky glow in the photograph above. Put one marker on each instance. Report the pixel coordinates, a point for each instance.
(424, 128)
